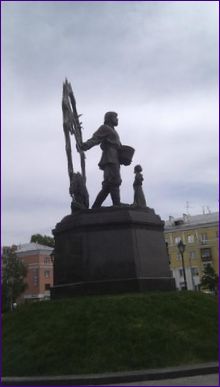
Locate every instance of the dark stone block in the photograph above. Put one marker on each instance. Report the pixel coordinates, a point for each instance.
(110, 250)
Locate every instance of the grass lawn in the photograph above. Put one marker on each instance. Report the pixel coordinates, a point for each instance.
(110, 333)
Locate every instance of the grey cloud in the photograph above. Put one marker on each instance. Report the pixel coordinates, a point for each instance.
(102, 38)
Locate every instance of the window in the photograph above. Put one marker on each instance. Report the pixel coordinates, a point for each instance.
(178, 256)
(35, 277)
(178, 222)
(204, 238)
(192, 254)
(47, 287)
(190, 238)
(206, 254)
(47, 260)
(47, 273)
(205, 264)
(167, 242)
(194, 271)
(177, 240)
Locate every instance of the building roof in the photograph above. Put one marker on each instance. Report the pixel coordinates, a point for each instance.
(27, 247)
(191, 220)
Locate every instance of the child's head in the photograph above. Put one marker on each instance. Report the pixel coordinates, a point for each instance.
(137, 168)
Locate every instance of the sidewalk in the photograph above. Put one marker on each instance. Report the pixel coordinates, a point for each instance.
(182, 376)
(200, 380)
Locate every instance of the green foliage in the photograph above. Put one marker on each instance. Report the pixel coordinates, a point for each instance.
(14, 273)
(43, 240)
(209, 279)
(110, 333)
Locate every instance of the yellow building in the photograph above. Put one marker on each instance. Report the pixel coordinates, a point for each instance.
(199, 233)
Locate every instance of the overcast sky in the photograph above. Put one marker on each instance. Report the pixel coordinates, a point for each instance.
(155, 63)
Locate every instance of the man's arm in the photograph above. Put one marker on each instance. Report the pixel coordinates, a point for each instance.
(96, 139)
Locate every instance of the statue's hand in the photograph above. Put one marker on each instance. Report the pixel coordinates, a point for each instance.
(83, 146)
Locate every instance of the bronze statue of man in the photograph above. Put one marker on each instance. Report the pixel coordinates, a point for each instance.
(110, 144)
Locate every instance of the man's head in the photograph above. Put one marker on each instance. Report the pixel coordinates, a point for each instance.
(111, 118)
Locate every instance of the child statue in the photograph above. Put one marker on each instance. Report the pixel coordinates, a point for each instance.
(139, 199)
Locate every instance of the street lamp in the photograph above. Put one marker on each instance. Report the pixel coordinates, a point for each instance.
(181, 248)
(193, 282)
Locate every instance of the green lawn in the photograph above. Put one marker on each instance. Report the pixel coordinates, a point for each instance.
(110, 333)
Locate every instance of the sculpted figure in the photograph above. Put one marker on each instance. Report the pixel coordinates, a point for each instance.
(110, 144)
(78, 191)
(139, 199)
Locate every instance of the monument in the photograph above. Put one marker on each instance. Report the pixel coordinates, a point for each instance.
(120, 248)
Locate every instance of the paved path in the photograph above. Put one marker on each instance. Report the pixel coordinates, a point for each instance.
(205, 374)
(201, 380)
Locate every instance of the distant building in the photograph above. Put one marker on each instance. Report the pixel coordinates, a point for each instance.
(200, 235)
(40, 270)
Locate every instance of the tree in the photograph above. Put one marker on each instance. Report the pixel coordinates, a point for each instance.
(13, 275)
(43, 240)
(209, 279)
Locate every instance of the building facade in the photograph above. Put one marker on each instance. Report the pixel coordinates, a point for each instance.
(199, 233)
(39, 278)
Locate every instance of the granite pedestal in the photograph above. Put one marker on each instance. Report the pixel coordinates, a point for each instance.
(110, 250)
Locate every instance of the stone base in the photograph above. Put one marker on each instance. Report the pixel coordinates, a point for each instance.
(112, 287)
(110, 250)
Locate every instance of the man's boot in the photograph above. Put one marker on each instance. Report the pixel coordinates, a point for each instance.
(115, 195)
